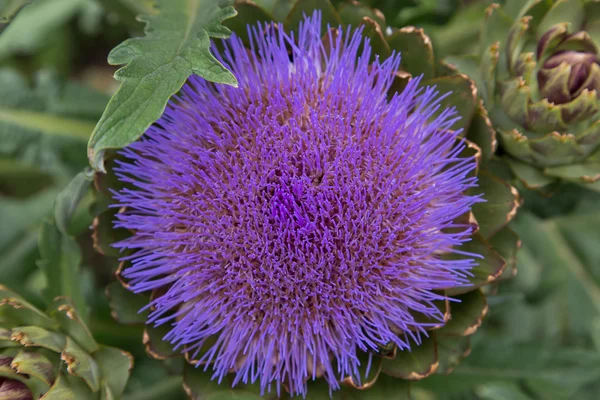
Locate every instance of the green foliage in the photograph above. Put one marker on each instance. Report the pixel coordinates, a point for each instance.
(37, 22)
(46, 126)
(8, 10)
(177, 45)
(541, 336)
(60, 253)
(55, 355)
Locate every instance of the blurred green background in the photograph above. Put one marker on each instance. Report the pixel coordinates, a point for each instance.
(541, 339)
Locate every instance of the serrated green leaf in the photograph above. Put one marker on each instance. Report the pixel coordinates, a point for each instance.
(176, 46)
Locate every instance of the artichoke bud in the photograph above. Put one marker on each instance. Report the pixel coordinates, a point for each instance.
(12, 389)
(571, 69)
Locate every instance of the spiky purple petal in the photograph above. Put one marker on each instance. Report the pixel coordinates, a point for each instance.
(300, 218)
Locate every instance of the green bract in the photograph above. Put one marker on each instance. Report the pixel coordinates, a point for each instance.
(391, 370)
(54, 354)
(540, 78)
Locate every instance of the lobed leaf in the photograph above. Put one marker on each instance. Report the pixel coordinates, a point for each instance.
(176, 45)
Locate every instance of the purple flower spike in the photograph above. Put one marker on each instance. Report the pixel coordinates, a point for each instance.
(300, 219)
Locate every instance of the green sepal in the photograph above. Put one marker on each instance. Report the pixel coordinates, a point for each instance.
(515, 97)
(415, 49)
(525, 67)
(444, 311)
(579, 41)
(463, 96)
(28, 388)
(380, 49)
(156, 347)
(249, 13)
(516, 42)
(81, 364)
(199, 386)
(125, 305)
(302, 8)
(584, 107)
(63, 311)
(365, 380)
(590, 136)
(588, 172)
(15, 311)
(67, 388)
(489, 65)
(35, 336)
(353, 13)
(115, 366)
(36, 365)
(105, 235)
(488, 267)
(530, 176)
(451, 351)
(515, 143)
(468, 311)
(5, 339)
(482, 134)
(502, 201)
(550, 38)
(569, 11)
(506, 242)
(417, 363)
(556, 149)
(544, 117)
(496, 26)
(556, 83)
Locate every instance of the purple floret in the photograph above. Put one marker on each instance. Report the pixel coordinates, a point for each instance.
(301, 218)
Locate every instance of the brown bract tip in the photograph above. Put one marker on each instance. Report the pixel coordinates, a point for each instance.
(490, 9)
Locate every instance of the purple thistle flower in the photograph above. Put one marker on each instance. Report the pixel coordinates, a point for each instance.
(300, 219)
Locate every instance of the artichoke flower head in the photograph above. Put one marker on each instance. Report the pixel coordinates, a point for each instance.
(261, 190)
